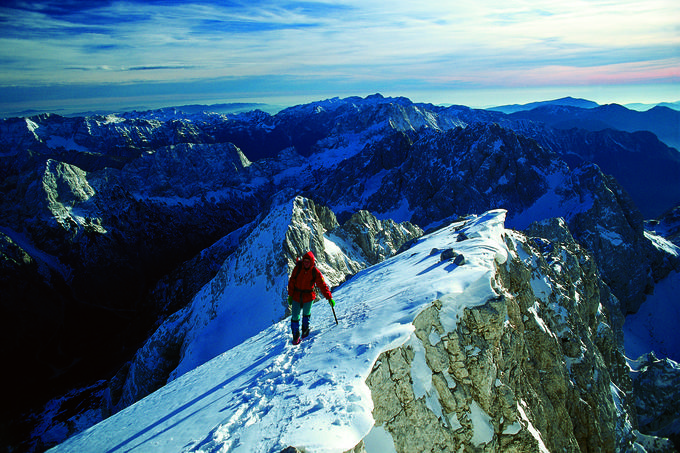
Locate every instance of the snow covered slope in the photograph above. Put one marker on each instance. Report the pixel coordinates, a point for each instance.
(654, 327)
(266, 394)
(248, 293)
(473, 336)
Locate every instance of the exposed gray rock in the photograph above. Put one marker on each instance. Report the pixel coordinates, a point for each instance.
(612, 229)
(657, 383)
(655, 444)
(377, 239)
(668, 225)
(533, 370)
(358, 449)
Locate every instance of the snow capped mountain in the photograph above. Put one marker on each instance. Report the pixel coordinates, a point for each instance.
(167, 240)
(426, 318)
(313, 395)
(248, 292)
(662, 121)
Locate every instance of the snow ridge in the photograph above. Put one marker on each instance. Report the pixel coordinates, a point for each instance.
(313, 396)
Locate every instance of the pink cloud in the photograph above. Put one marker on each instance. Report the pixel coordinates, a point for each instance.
(622, 73)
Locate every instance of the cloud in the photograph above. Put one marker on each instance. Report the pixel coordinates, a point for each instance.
(397, 44)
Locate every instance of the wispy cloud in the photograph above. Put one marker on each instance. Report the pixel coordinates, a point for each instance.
(400, 42)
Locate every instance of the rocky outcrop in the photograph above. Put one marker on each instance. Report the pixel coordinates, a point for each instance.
(358, 449)
(656, 383)
(377, 239)
(668, 225)
(540, 368)
(612, 229)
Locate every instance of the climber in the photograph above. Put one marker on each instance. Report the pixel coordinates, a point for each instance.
(301, 295)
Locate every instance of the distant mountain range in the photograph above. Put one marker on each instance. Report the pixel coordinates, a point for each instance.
(191, 109)
(567, 101)
(662, 121)
(578, 102)
(643, 107)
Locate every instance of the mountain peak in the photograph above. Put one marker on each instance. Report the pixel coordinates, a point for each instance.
(565, 101)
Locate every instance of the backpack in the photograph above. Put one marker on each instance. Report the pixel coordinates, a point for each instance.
(296, 272)
(298, 268)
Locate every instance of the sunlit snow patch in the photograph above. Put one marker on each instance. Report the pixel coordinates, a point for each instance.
(266, 394)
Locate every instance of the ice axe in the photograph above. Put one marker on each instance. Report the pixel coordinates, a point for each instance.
(332, 304)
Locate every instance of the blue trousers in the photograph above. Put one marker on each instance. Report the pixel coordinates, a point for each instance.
(306, 310)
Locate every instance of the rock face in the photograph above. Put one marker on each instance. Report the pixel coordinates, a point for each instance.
(656, 383)
(668, 225)
(613, 230)
(540, 368)
(460, 171)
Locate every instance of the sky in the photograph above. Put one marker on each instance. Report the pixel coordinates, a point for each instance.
(69, 54)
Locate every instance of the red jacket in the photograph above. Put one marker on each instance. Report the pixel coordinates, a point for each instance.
(302, 282)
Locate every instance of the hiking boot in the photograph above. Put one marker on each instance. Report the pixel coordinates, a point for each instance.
(295, 329)
(305, 325)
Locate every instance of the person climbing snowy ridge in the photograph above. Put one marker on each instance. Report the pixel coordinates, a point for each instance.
(262, 396)
(301, 295)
